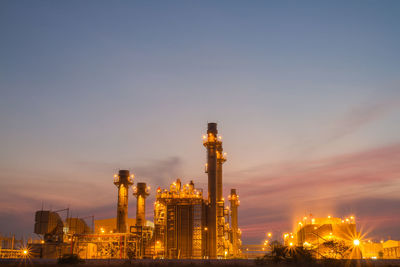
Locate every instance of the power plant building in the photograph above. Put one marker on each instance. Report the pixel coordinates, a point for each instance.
(187, 225)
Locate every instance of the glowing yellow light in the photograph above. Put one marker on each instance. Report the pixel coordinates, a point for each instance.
(305, 218)
(329, 216)
(291, 244)
(42, 241)
(381, 241)
(205, 228)
(269, 234)
(25, 252)
(356, 242)
(330, 233)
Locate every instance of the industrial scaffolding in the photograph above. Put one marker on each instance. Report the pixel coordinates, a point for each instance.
(178, 221)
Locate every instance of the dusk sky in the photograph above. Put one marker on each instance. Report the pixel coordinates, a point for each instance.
(306, 95)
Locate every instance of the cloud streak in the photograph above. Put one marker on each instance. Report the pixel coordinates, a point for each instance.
(286, 191)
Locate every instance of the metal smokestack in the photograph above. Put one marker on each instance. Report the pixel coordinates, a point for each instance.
(210, 142)
(122, 181)
(141, 193)
(234, 199)
(220, 200)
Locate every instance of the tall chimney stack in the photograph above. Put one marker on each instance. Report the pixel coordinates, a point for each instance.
(141, 193)
(123, 180)
(210, 142)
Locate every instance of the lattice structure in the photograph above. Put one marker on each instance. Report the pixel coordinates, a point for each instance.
(102, 246)
(111, 246)
(197, 231)
(12, 254)
(221, 246)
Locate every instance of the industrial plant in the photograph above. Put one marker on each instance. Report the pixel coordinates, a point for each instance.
(186, 225)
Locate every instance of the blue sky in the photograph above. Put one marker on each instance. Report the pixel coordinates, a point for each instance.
(87, 87)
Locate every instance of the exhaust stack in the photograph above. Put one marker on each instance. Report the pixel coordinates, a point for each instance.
(210, 142)
(141, 192)
(123, 180)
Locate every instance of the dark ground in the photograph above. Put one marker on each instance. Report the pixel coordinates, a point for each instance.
(200, 263)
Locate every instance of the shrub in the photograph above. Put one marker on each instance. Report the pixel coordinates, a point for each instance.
(70, 259)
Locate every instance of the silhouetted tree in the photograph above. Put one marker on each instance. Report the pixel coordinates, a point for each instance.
(334, 249)
(285, 254)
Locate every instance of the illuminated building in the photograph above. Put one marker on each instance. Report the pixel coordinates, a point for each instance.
(328, 237)
(178, 215)
(391, 249)
(316, 232)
